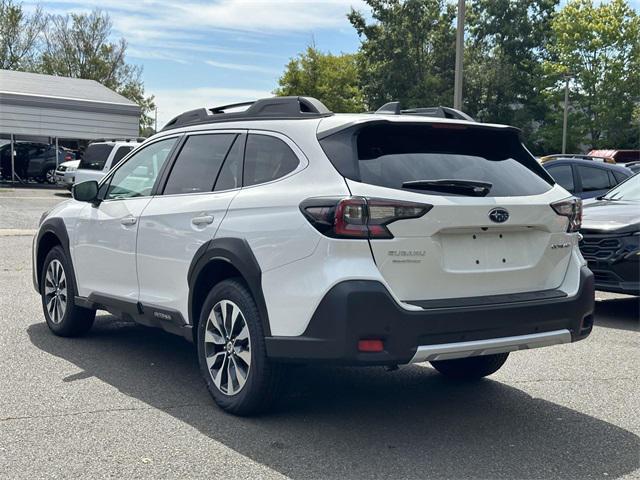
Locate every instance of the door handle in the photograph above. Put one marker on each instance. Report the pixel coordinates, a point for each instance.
(129, 221)
(203, 220)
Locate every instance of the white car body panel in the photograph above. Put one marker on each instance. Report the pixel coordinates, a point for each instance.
(104, 248)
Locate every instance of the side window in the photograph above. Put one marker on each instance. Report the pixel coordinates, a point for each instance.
(593, 179)
(120, 154)
(563, 175)
(230, 175)
(135, 178)
(198, 163)
(267, 158)
(619, 177)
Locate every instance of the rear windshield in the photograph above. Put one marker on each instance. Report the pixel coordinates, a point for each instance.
(389, 155)
(96, 156)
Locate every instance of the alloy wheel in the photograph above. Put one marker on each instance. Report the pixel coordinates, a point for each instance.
(227, 347)
(55, 291)
(50, 176)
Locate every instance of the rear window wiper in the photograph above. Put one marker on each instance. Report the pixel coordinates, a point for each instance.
(461, 187)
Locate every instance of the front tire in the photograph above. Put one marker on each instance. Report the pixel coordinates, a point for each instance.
(232, 352)
(57, 291)
(470, 368)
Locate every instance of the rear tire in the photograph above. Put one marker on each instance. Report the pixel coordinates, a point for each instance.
(470, 368)
(232, 352)
(57, 291)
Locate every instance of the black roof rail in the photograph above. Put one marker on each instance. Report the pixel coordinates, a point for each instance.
(393, 108)
(282, 108)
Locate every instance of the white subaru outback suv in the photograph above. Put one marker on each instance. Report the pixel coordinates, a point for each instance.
(285, 233)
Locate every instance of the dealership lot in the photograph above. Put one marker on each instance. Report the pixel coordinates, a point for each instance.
(128, 402)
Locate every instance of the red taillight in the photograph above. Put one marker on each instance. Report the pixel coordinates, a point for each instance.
(370, 346)
(359, 217)
(572, 209)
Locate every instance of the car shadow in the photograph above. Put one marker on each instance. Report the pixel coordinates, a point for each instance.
(619, 313)
(346, 423)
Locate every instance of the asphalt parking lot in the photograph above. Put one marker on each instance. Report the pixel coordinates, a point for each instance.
(127, 402)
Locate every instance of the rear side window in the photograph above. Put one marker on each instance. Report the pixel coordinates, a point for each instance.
(198, 163)
(96, 156)
(120, 154)
(390, 155)
(594, 179)
(619, 177)
(267, 158)
(230, 175)
(563, 175)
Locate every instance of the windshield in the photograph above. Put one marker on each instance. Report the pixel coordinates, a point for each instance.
(629, 190)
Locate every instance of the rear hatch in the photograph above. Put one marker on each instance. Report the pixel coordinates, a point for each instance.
(491, 229)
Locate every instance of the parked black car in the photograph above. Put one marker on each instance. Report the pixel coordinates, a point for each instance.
(611, 238)
(32, 161)
(586, 178)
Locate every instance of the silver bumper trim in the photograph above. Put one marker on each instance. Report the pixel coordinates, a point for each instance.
(447, 351)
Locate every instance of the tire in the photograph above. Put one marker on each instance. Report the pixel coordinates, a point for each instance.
(57, 292)
(470, 368)
(49, 176)
(228, 353)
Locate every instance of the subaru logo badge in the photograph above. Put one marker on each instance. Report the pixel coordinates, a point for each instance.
(499, 215)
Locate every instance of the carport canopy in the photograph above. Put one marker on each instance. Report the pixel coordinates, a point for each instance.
(47, 106)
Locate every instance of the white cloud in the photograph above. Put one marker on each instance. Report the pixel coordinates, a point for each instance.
(172, 102)
(243, 67)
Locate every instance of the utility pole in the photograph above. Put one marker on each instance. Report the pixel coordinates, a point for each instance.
(567, 76)
(457, 83)
(155, 129)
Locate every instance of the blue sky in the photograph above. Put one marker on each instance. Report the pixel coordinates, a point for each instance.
(198, 54)
(205, 53)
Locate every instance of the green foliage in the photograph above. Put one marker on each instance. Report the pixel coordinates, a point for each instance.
(504, 50)
(599, 44)
(79, 46)
(407, 53)
(19, 36)
(333, 79)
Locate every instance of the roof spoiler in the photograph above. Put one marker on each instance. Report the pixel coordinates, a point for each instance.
(393, 108)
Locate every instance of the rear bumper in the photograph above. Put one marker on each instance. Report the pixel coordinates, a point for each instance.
(362, 309)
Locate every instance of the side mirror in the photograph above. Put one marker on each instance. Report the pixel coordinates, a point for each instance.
(86, 191)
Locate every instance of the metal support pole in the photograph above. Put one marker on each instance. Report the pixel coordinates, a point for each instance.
(155, 129)
(13, 159)
(566, 113)
(457, 83)
(57, 152)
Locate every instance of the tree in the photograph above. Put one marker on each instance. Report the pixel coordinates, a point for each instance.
(20, 35)
(407, 53)
(79, 46)
(333, 79)
(600, 46)
(504, 56)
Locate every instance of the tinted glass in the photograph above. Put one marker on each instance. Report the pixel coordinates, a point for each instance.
(230, 175)
(266, 159)
(120, 154)
(96, 156)
(135, 177)
(563, 175)
(198, 163)
(594, 179)
(619, 176)
(389, 155)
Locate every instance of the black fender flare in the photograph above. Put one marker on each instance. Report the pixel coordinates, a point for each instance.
(238, 253)
(56, 227)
